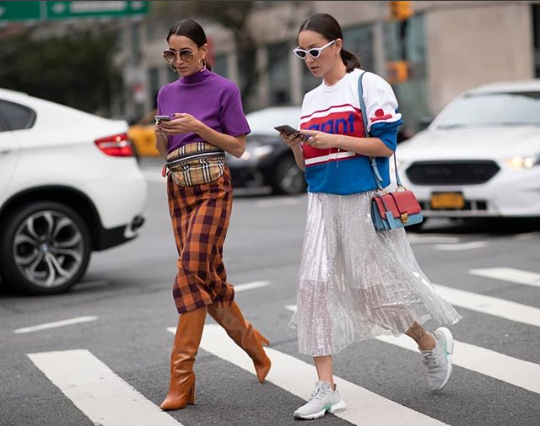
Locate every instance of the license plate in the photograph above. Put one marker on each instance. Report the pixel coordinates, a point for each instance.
(447, 200)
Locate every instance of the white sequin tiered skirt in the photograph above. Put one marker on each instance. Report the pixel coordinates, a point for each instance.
(356, 283)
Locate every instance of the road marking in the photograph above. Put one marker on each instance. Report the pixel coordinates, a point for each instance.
(491, 305)
(515, 371)
(528, 236)
(250, 286)
(56, 324)
(473, 245)
(509, 274)
(430, 239)
(97, 391)
(279, 202)
(297, 377)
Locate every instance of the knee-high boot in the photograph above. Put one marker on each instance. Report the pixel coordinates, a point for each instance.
(185, 347)
(244, 335)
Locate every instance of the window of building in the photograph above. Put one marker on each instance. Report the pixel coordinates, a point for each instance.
(406, 41)
(359, 40)
(16, 117)
(153, 79)
(536, 38)
(279, 80)
(220, 65)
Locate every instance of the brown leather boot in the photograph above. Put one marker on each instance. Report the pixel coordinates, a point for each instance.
(185, 347)
(244, 335)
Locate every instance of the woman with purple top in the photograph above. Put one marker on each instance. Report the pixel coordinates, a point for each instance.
(204, 119)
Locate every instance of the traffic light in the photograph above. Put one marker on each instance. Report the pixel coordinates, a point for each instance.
(400, 10)
(398, 72)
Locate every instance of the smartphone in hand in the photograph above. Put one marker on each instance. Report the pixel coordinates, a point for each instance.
(159, 118)
(288, 130)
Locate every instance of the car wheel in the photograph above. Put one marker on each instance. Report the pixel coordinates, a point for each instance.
(45, 248)
(288, 178)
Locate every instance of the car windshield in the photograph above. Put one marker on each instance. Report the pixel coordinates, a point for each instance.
(493, 109)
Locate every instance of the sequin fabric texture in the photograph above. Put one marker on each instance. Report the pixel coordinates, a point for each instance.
(355, 283)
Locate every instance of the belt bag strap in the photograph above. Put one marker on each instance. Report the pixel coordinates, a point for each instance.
(203, 154)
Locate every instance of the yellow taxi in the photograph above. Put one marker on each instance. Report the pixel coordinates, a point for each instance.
(143, 137)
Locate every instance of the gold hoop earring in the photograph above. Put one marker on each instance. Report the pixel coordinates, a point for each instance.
(203, 61)
(173, 68)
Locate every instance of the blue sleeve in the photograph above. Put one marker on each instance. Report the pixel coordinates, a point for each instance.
(387, 132)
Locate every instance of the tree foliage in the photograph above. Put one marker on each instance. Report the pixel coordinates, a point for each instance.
(75, 70)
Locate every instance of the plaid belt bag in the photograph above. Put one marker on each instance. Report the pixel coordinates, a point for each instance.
(196, 164)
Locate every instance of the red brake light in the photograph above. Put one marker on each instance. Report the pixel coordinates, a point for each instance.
(115, 145)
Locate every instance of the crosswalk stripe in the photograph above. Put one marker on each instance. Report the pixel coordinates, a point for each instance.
(515, 371)
(297, 377)
(472, 245)
(56, 324)
(250, 286)
(509, 274)
(97, 391)
(491, 305)
(431, 239)
(481, 360)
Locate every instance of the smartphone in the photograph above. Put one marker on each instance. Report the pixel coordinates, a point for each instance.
(288, 130)
(159, 118)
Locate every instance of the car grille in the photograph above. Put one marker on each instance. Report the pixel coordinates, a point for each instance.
(451, 172)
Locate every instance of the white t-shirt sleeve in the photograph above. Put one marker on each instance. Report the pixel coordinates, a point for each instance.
(380, 100)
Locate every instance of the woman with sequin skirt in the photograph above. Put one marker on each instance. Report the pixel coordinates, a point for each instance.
(354, 283)
(201, 117)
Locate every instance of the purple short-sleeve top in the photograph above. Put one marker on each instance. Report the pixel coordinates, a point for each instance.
(208, 97)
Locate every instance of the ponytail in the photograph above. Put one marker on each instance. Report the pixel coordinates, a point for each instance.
(350, 60)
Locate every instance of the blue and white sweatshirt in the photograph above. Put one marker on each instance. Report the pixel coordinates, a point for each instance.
(336, 110)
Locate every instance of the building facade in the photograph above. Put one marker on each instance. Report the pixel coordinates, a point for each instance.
(444, 48)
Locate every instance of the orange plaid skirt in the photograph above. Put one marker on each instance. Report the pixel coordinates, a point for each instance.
(200, 218)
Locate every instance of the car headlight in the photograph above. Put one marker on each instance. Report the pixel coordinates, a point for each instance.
(521, 162)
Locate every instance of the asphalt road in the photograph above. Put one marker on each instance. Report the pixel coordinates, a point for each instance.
(116, 352)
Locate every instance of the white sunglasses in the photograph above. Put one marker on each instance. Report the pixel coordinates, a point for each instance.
(314, 52)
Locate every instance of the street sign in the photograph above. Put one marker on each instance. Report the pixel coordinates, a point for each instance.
(19, 10)
(11, 11)
(94, 9)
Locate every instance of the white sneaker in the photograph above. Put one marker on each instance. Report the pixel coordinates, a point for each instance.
(323, 399)
(439, 360)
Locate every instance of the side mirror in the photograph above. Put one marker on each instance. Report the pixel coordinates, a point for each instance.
(424, 123)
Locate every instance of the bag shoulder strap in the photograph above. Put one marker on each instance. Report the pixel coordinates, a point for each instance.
(378, 177)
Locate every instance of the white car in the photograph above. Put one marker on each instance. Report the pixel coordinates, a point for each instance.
(69, 185)
(480, 157)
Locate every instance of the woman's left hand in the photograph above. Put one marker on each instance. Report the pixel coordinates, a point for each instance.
(180, 124)
(321, 140)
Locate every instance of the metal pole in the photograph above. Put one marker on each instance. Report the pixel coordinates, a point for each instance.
(378, 38)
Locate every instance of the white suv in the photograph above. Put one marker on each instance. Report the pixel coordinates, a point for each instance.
(69, 185)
